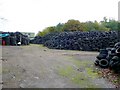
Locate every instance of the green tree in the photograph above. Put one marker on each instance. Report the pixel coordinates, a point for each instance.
(76, 25)
(96, 25)
(59, 27)
(72, 25)
(119, 26)
(110, 24)
(46, 31)
(105, 19)
(89, 26)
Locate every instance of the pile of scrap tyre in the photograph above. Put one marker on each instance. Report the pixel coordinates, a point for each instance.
(14, 38)
(77, 40)
(109, 58)
(36, 40)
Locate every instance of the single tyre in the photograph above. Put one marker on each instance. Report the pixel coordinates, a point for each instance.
(101, 56)
(118, 51)
(103, 63)
(117, 45)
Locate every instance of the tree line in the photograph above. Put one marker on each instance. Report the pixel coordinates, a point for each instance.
(76, 25)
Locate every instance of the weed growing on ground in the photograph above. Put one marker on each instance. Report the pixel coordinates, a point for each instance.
(82, 78)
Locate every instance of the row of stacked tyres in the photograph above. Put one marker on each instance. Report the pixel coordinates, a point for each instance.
(14, 38)
(77, 40)
(109, 58)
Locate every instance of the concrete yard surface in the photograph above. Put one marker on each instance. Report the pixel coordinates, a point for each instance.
(35, 66)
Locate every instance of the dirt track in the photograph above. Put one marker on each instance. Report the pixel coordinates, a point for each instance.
(35, 66)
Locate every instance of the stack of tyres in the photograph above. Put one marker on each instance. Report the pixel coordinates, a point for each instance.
(0, 41)
(21, 39)
(115, 64)
(111, 59)
(77, 40)
(18, 37)
(13, 41)
(115, 61)
(102, 59)
(24, 40)
(36, 40)
(15, 38)
(111, 54)
(7, 40)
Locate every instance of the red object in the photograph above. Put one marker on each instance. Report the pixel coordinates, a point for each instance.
(3, 42)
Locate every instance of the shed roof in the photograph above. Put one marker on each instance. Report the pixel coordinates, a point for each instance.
(4, 35)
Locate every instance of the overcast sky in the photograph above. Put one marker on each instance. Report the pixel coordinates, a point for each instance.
(35, 15)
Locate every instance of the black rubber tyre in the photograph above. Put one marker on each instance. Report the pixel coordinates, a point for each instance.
(103, 63)
(117, 45)
(114, 62)
(101, 56)
(118, 51)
